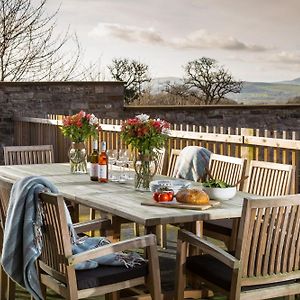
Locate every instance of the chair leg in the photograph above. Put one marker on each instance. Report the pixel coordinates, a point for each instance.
(113, 296)
(234, 233)
(136, 229)
(153, 280)
(3, 283)
(180, 277)
(92, 217)
(44, 290)
(11, 289)
(161, 232)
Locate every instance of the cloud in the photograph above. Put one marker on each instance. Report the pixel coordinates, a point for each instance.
(286, 57)
(202, 39)
(195, 40)
(128, 33)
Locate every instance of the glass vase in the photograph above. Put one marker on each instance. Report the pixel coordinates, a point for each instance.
(78, 158)
(145, 167)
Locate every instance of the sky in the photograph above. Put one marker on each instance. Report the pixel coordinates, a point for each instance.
(256, 40)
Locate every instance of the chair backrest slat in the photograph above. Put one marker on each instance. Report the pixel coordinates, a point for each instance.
(5, 188)
(269, 179)
(160, 159)
(55, 237)
(226, 168)
(172, 162)
(269, 239)
(24, 155)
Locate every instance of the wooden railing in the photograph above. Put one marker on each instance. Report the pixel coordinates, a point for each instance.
(274, 146)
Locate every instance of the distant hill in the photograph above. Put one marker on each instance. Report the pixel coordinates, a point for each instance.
(294, 81)
(252, 92)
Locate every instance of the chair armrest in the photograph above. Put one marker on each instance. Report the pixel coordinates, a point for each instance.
(209, 248)
(139, 242)
(92, 225)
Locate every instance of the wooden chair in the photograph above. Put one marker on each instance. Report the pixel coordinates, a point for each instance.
(266, 262)
(265, 179)
(57, 262)
(38, 154)
(25, 155)
(227, 168)
(7, 286)
(172, 162)
(269, 179)
(231, 170)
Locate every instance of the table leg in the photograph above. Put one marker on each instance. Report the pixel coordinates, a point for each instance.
(197, 228)
(150, 229)
(116, 228)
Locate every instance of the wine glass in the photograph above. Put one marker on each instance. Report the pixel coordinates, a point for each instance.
(112, 158)
(122, 162)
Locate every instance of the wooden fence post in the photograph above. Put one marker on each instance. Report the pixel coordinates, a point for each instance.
(247, 151)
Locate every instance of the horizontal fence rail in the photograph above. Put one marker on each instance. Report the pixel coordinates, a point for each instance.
(273, 146)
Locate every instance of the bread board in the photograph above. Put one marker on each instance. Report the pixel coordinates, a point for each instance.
(175, 204)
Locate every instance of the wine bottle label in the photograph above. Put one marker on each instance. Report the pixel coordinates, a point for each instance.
(95, 144)
(94, 170)
(102, 171)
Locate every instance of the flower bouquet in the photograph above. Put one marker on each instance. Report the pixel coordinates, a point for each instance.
(78, 128)
(146, 135)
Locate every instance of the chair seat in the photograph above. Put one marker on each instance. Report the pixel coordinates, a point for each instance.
(104, 275)
(219, 274)
(210, 268)
(223, 226)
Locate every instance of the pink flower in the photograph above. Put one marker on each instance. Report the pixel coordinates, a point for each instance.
(82, 114)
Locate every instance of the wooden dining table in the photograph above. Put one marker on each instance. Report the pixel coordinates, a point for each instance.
(121, 200)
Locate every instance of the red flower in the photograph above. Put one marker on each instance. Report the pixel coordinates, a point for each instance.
(144, 134)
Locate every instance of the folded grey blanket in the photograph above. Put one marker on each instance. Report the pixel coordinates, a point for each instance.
(22, 237)
(191, 163)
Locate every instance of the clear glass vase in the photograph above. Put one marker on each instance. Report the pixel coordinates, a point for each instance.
(145, 167)
(78, 158)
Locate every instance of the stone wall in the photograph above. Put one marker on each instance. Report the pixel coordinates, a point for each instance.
(37, 99)
(105, 100)
(271, 117)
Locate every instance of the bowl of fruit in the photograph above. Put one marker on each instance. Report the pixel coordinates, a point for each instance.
(218, 189)
(163, 194)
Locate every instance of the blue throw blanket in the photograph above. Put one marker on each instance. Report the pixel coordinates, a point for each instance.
(191, 163)
(21, 246)
(22, 237)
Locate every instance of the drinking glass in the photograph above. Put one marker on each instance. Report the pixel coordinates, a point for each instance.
(112, 158)
(122, 162)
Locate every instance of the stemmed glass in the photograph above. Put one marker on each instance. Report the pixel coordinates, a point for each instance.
(112, 158)
(122, 162)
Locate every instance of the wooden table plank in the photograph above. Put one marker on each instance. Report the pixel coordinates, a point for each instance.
(120, 199)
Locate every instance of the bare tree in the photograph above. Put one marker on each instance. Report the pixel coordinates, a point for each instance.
(133, 73)
(212, 80)
(29, 49)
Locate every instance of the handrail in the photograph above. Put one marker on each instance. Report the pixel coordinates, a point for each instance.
(282, 147)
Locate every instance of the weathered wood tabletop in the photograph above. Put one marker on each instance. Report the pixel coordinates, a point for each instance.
(121, 200)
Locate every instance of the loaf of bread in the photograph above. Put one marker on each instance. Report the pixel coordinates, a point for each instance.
(192, 196)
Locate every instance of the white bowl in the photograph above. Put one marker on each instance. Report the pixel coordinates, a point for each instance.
(220, 193)
(174, 185)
